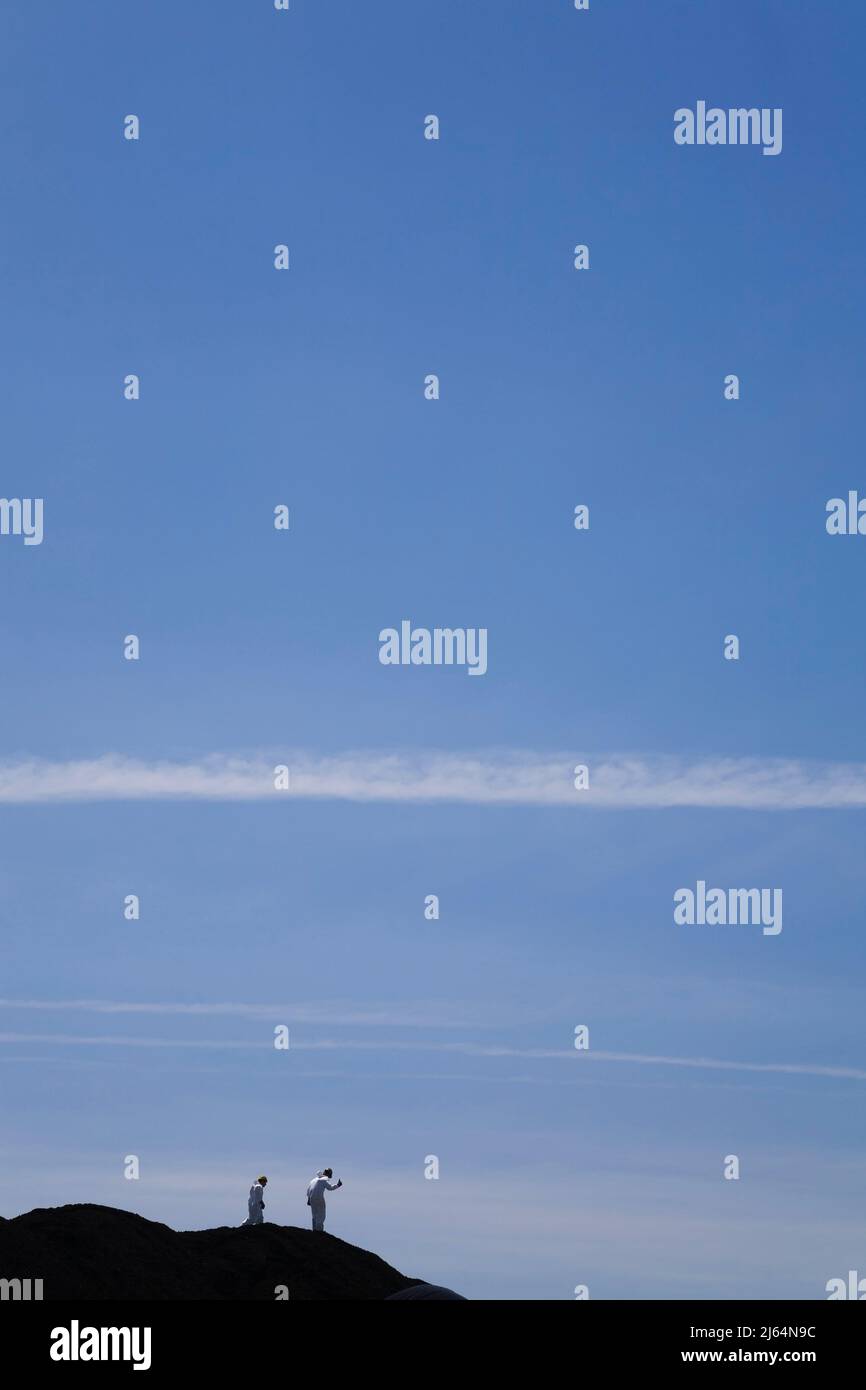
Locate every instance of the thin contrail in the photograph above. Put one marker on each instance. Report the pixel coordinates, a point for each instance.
(458, 1048)
(409, 1015)
(628, 782)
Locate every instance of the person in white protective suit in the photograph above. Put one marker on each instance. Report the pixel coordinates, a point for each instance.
(256, 1202)
(316, 1190)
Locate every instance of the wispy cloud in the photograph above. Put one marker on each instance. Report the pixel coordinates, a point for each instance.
(406, 1015)
(528, 779)
(116, 1040)
(466, 1049)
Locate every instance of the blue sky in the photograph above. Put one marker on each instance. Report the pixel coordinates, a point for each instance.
(558, 387)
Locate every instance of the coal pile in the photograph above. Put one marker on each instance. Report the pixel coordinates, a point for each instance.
(93, 1252)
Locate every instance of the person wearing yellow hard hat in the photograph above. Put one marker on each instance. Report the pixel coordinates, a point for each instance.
(256, 1202)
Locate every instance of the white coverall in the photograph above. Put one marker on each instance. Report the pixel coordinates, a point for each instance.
(254, 1205)
(316, 1199)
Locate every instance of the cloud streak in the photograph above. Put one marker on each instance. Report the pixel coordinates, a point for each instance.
(508, 779)
(465, 1049)
(409, 1015)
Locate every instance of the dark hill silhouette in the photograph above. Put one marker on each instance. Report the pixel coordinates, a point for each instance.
(93, 1252)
